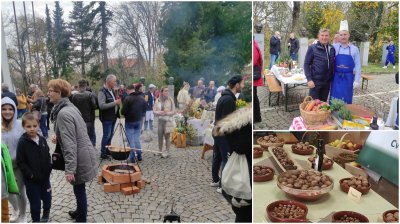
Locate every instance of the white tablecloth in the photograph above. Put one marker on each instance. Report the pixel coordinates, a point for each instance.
(208, 138)
(199, 125)
(208, 115)
(287, 80)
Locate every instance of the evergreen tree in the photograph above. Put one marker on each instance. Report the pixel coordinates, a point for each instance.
(50, 43)
(105, 18)
(83, 34)
(210, 40)
(62, 43)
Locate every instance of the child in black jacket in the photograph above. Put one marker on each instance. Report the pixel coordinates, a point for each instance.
(33, 158)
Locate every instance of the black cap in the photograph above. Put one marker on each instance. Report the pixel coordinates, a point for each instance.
(235, 79)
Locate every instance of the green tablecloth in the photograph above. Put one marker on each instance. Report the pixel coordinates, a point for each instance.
(371, 205)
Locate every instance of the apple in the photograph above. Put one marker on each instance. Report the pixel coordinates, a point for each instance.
(350, 145)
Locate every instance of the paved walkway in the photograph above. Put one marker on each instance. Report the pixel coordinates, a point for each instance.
(182, 178)
(382, 88)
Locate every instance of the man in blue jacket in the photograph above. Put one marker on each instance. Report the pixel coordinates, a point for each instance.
(274, 48)
(390, 55)
(318, 66)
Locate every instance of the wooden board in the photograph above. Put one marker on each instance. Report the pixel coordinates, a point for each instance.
(360, 110)
(288, 137)
(288, 156)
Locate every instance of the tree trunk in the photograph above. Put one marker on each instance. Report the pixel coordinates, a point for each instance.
(378, 22)
(37, 52)
(29, 46)
(295, 16)
(23, 71)
(104, 36)
(82, 57)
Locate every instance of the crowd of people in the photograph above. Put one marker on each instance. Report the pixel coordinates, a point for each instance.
(72, 110)
(25, 125)
(330, 69)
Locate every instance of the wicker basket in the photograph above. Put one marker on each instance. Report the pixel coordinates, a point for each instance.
(334, 152)
(312, 117)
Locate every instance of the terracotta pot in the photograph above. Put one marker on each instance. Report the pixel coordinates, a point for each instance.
(273, 218)
(389, 211)
(263, 178)
(346, 188)
(257, 152)
(309, 151)
(325, 166)
(337, 215)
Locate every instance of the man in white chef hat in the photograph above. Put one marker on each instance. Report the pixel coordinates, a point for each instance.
(347, 66)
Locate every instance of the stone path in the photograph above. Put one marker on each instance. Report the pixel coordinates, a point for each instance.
(182, 178)
(382, 88)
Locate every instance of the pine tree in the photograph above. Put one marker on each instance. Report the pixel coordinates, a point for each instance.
(84, 35)
(105, 18)
(62, 43)
(50, 43)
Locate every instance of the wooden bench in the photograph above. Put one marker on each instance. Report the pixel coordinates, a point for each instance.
(365, 78)
(273, 86)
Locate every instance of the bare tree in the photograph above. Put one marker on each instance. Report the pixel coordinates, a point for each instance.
(22, 62)
(27, 38)
(137, 26)
(37, 58)
(295, 16)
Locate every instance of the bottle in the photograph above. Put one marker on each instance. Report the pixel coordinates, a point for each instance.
(374, 124)
(320, 155)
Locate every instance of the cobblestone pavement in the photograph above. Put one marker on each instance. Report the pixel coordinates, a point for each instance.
(182, 178)
(382, 88)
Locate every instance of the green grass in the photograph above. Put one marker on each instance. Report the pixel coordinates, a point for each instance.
(377, 69)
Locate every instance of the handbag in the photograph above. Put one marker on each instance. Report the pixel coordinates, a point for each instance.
(57, 159)
(235, 181)
(257, 69)
(256, 73)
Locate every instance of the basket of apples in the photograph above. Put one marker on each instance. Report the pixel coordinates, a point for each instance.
(333, 149)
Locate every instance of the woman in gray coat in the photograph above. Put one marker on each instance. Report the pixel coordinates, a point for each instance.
(78, 151)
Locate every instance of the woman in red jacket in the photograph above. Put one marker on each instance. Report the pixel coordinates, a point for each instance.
(257, 61)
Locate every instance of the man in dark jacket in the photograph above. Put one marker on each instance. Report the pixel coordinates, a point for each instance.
(134, 108)
(86, 102)
(150, 99)
(210, 92)
(319, 65)
(108, 112)
(225, 106)
(294, 46)
(274, 48)
(5, 92)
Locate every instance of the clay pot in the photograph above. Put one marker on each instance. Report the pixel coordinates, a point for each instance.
(257, 152)
(273, 218)
(263, 178)
(389, 211)
(309, 151)
(346, 188)
(337, 215)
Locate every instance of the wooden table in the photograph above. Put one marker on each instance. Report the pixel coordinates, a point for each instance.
(371, 205)
(286, 81)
